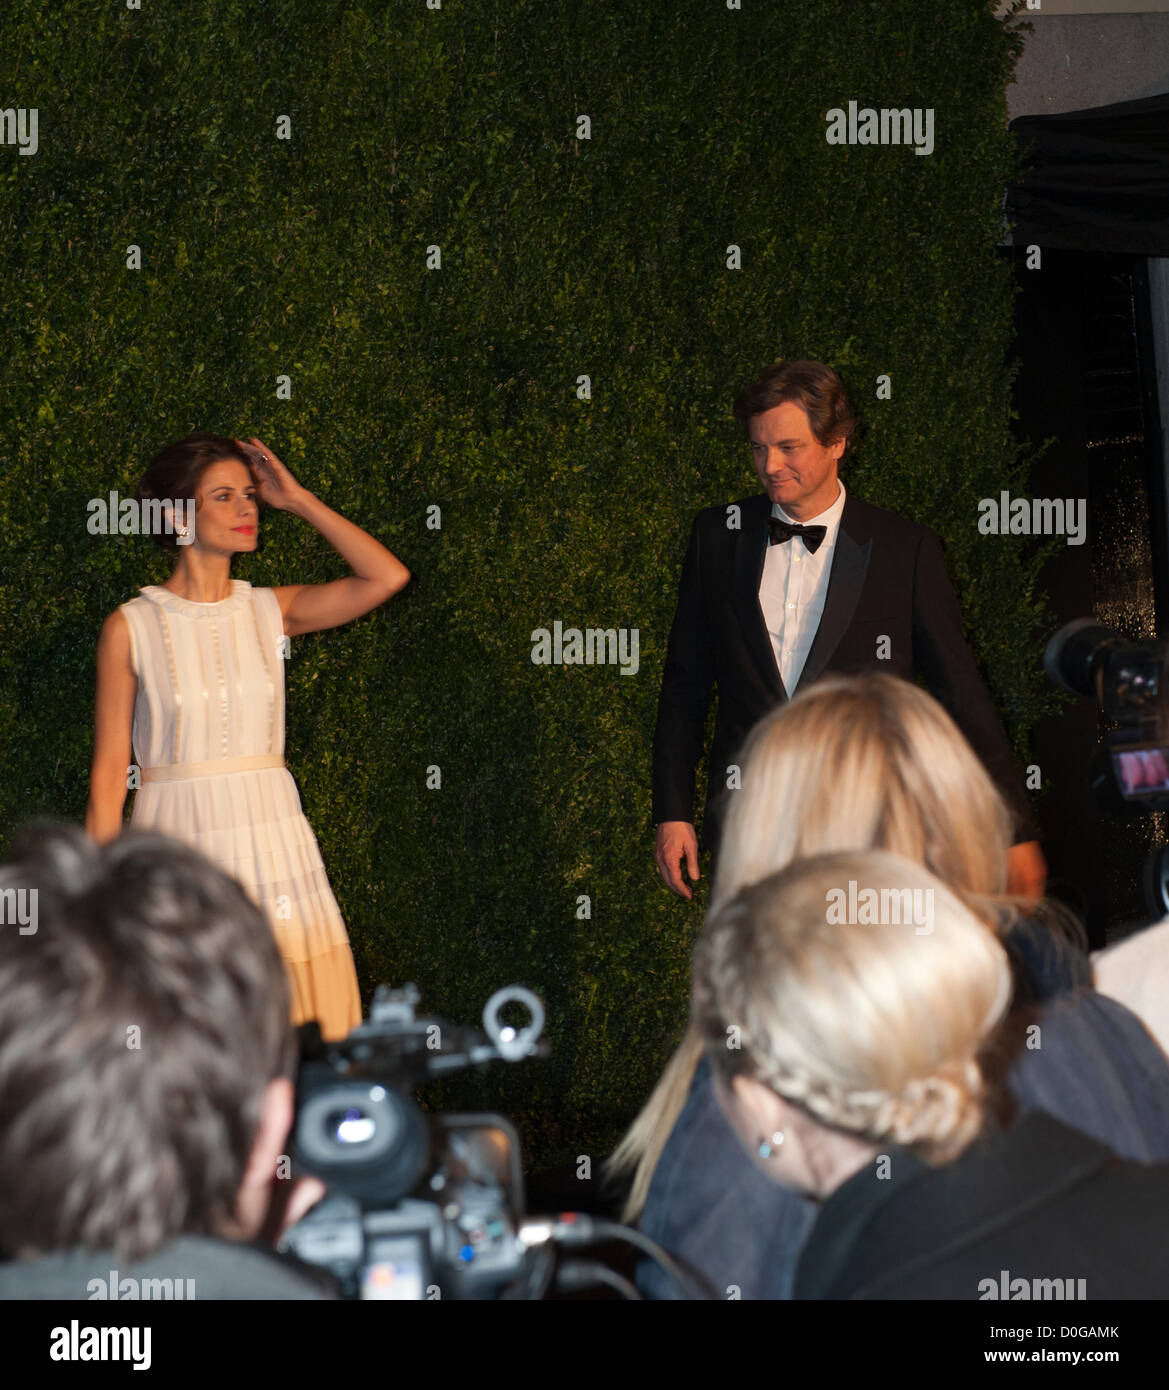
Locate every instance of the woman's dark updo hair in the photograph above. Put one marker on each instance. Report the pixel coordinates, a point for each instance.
(173, 473)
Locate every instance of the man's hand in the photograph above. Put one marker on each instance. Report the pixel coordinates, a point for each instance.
(1026, 870)
(290, 1200)
(677, 840)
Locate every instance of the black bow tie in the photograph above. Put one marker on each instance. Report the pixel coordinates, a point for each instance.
(783, 531)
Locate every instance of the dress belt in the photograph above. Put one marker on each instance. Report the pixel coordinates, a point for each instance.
(176, 772)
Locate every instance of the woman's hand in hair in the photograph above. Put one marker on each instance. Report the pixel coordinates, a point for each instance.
(276, 485)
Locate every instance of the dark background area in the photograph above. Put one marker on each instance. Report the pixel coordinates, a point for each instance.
(1088, 384)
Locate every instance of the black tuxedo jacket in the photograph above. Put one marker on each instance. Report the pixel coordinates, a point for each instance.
(888, 578)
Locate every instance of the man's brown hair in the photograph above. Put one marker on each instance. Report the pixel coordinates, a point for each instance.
(814, 386)
(139, 1026)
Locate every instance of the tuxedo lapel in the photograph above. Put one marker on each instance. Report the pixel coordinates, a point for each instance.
(750, 552)
(850, 563)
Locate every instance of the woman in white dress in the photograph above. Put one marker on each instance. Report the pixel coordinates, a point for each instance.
(190, 679)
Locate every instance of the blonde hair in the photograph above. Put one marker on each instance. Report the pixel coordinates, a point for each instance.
(850, 763)
(872, 1027)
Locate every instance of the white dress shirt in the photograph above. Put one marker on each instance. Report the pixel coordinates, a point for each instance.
(793, 589)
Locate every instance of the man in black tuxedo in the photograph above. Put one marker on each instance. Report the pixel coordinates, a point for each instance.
(780, 588)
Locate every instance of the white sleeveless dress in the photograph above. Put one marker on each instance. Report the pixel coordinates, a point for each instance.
(209, 738)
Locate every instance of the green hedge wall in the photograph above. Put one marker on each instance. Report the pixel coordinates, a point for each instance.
(411, 387)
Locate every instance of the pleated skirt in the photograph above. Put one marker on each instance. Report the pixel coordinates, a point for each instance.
(252, 826)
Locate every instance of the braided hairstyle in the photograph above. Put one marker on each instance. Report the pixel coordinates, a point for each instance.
(873, 1026)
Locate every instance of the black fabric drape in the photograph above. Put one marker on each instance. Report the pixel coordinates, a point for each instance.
(1098, 179)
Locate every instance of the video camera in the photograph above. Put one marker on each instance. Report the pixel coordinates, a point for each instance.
(1129, 772)
(425, 1207)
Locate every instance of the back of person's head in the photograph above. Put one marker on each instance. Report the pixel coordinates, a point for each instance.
(870, 1025)
(857, 762)
(140, 1023)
